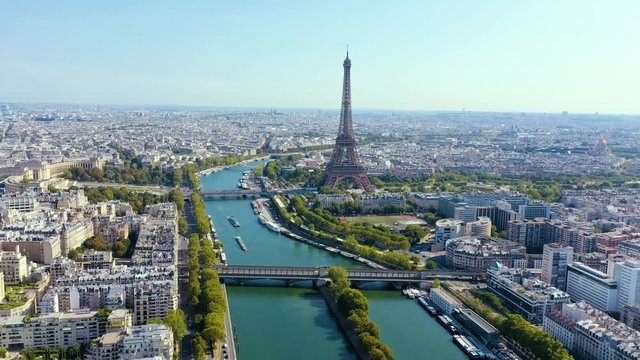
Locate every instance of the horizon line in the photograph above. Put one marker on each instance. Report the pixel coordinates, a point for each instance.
(212, 107)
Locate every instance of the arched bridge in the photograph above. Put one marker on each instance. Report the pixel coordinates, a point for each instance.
(250, 272)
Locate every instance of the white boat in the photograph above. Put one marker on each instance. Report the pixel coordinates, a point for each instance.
(273, 227)
(262, 219)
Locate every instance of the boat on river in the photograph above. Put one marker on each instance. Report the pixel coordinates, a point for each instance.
(270, 225)
(467, 346)
(425, 305)
(241, 243)
(233, 221)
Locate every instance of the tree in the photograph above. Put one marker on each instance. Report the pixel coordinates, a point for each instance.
(258, 170)
(74, 254)
(177, 197)
(430, 265)
(350, 243)
(198, 348)
(97, 243)
(436, 283)
(120, 247)
(193, 287)
(352, 299)
(415, 233)
(155, 320)
(213, 328)
(431, 218)
(209, 274)
(207, 255)
(177, 176)
(368, 341)
(182, 226)
(377, 354)
(176, 320)
(339, 281)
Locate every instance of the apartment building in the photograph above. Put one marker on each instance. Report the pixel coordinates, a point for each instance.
(137, 342)
(14, 266)
(153, 300)
(589, 333)
(51, 330)
(522, 293)
(75, 233)
(627, 274)
(555, 259)
(477, 253)
(592, 286)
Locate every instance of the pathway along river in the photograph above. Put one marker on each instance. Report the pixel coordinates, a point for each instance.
(294, 323)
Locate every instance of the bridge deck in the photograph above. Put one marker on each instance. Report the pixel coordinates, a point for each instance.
(322, 272)
(239, 192)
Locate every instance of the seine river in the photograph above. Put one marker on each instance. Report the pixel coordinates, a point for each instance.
(294, 323)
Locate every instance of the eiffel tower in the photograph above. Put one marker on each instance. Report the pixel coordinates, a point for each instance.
(345, 162)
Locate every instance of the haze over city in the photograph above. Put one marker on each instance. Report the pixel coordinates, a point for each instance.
(537, 56)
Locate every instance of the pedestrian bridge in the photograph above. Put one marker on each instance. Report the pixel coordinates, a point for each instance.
(250, 272)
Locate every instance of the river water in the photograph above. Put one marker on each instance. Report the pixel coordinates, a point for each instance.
(294, 323)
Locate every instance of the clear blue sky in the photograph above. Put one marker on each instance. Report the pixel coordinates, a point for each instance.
(508, 55)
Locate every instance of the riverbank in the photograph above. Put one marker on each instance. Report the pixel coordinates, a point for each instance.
(348, 332)
(215, 169)
(230, 343)
(298, 235)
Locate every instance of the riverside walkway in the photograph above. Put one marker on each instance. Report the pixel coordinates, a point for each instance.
(250, 272)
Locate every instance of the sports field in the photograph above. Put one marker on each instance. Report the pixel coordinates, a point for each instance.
(378, 220)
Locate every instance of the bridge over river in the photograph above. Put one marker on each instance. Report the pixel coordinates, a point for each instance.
(212, 194)
(288, 273)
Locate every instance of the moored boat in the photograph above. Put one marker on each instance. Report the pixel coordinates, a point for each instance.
(241, 243)
(233, 221)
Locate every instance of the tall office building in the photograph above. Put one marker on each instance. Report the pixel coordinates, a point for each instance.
(448, 229)
(628, 278)
(534, 210)
(592, 286)
(555, 259)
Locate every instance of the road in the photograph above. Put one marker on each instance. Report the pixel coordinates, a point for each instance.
(231, 344)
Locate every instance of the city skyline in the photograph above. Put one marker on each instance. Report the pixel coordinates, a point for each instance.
(530, 56)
